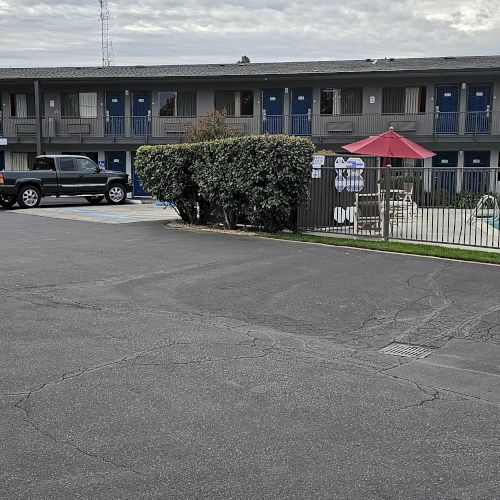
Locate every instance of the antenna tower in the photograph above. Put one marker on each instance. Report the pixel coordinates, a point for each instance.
(106, 44)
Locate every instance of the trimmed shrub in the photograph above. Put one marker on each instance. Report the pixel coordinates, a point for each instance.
(167, 173)
(218, 175)
(256, 179)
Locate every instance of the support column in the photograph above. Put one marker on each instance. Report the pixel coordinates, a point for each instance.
(128, 114)
(38, 118)
(128, 163)
(427, 175)
(495, 172)
(460, 171)
(462, 109)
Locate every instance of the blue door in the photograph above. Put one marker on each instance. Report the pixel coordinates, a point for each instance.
(444, 171)
(141, 113)
(2, 160)
(447, 100)
(272, 111)
(478, 109)
(138, 190)
(116, 160)
(115, 113)
(301, 111)
(475, 178)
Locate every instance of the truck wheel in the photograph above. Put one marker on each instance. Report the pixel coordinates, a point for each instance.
(7, 201)
(29, 197)
(94, 200)
(116, 194)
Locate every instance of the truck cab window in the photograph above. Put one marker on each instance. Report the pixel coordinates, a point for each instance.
(84, 165)
(44, 163)
(66, 165)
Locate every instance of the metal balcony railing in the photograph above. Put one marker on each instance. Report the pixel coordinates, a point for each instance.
(174, 129)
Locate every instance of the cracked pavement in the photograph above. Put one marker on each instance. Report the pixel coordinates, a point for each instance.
(140, 361)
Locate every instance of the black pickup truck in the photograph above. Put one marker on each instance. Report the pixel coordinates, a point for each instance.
(62, 175)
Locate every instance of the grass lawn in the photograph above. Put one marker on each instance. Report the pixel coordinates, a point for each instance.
(393, 246)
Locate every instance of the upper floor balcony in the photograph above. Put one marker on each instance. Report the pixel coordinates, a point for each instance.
(327, 128)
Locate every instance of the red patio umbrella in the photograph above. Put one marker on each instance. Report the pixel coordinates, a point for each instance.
(389, 145)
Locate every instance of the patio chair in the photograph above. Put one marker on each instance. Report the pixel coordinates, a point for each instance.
(408, 192)
(367, 213)
(402, 204)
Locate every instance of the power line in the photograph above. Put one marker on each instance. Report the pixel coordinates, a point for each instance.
(106, 43)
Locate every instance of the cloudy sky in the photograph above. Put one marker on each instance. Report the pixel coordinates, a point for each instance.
(67, 32)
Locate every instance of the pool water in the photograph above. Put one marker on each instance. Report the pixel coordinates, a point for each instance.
(494, 222)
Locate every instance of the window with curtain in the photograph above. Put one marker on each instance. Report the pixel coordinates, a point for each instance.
(19, 161)
(186, 103)
(398, 100)
(344, 101)
(225, 102)
(22, 161)
(88, 104)
(246, 103)
(177, 103)
(79, 105)
(22, 105)
(167, 103)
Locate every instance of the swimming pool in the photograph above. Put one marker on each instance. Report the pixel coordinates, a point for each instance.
(495, 223)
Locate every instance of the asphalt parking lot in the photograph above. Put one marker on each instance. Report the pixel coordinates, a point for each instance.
(140, 361)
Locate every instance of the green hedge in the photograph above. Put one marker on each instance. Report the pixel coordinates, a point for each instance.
(167, 173)
(259, 179)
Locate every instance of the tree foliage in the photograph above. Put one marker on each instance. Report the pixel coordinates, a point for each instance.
(209, 128)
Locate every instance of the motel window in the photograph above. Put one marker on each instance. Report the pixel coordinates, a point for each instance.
(177, 103)
(344, 101)
(234, 103)
(167, 103)
(22, 105)
(225, 102)
(79, 105)
(22, 161)
(398, 100)
(246, 103)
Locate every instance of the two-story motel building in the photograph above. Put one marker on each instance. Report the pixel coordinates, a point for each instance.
(447, 104)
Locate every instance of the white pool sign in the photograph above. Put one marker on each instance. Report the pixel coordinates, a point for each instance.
(317, 163)
(354, 182)
(340, 164)
(355, 164)
(340, 182)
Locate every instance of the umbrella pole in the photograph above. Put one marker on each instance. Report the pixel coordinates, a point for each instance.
(387, 201)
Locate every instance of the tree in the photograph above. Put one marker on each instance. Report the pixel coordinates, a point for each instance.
(244, 60)
(209, 128)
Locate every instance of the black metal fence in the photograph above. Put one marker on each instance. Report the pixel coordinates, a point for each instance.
(438, 205)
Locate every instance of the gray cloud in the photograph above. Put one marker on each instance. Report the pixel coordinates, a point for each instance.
(67, 32)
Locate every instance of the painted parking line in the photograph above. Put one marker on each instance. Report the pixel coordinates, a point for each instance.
(111, 215)
(97, 213)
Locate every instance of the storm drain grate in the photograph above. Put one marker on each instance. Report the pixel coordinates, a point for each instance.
(406, 350)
